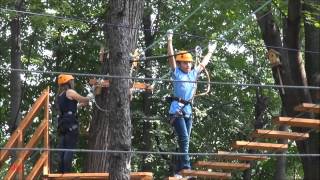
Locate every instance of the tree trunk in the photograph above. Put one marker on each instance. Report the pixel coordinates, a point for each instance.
(122, 40)
(293, 73)
(15, 80)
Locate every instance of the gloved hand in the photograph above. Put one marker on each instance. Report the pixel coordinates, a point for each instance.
(169, 34)
(198, 50)
(212, 46)
(90, 96)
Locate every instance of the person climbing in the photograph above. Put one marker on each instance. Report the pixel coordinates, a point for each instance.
(68, 100)
(180, 111)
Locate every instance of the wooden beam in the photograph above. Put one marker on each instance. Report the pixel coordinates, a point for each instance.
(308, 107)
(11, 143)
(24, 124)
(298, 122)
(205, 174)
(262, 133)
(24, 154)
(174, 178)
(222, 165)
(105, 176)
(37, 168)
(136, 85)
(260, 145)
(233, 156)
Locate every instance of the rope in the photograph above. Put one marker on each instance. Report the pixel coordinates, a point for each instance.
(148, 29)
(164, 80)
(157, 152)
(177, 26)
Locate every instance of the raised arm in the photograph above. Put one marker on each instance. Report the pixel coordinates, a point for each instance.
(211, 48)
(170, 52)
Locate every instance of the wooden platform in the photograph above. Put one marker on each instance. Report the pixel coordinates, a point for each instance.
(206, 174)
(308, 107)
(262, 133)
(298, 122)
(260, 146)
(233, 156)
(95, 176)
(222, 165)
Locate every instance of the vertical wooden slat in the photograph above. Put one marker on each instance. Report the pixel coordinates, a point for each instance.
(20, 166)
(46, 168)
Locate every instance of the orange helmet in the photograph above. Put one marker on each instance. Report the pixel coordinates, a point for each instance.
(64, 78)
(184, 56)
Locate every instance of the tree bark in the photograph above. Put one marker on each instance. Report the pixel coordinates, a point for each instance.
(122, 16)
(15, 80)
(293, 73)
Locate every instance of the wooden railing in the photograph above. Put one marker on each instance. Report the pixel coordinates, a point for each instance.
(17, 169)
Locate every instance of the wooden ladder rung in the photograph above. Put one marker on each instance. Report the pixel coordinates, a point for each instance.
(298, 122)
(205, 174)
(308, 107)
(233, 156)
(222, 165)
(260, 145)
(263, 133)
(174, 178)
(89, 176)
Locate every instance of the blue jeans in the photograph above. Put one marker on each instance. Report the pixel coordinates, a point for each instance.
(182, 126)
(67, 141)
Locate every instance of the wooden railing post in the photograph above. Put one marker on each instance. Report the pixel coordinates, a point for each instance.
(20, 166)
(46, 167)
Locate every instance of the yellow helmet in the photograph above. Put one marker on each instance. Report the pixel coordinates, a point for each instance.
(64, 78)
(184, 56)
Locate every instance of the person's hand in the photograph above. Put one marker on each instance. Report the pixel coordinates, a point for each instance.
(169, 34)
(90, 96)
(212, 46)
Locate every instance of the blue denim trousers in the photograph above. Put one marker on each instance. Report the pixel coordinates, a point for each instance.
(182, 126)
(67, 141)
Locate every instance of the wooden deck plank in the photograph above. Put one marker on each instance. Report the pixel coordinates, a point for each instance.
(205, 174)
(260, 145)
(233, 156)
(298, 122)
(308, 107)
(264, 133)
(222, 165)
(105, 176)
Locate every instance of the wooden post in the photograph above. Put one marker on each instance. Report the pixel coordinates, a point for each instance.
(20, 166)
(46, 167)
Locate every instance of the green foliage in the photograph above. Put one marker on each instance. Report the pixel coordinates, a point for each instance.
(224, 115)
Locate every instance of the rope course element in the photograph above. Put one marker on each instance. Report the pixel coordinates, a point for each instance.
(177, 26)
(158, 152)
(291, 119)
(159, 79)
(148, 29)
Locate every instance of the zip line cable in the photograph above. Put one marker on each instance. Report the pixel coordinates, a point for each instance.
(148, 29)
(159, 79)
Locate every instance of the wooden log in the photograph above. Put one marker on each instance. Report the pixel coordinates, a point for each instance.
(262, 133)
(298, 122)
(226, 155)
(260, 146)
(308, 107)
(222, 165)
